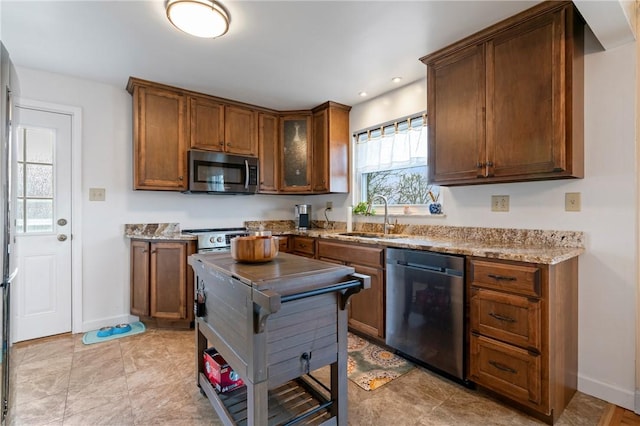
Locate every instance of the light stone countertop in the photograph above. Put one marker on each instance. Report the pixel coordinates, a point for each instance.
(533, 246)
(518, 252)
(156, 231)
(524, 245)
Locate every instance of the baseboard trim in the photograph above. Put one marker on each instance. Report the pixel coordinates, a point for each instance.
(637, 405)
(605, 391)
(107, 322)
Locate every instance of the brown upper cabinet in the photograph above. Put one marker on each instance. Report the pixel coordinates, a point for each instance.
(168, 121)
(268, 152)
(159, 134)
(295, 155)
(506, 104)
(240, 131)
(330, 171)
(314, 153)
(215, 126)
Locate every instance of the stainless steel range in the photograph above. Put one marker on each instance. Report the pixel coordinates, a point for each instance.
(215, 239)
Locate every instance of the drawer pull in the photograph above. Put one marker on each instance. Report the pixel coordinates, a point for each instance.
(503, 367)
(502, 277)
(501, 318)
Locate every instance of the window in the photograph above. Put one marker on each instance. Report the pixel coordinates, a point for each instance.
(34, 212)
(391, 160)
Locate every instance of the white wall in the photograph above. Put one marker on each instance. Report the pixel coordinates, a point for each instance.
(608, 271)
(107, 163)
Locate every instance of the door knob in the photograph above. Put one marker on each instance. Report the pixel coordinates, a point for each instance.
(62, 222)
(62, 237)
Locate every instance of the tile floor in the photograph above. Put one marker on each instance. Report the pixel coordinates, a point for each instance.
(149, 379)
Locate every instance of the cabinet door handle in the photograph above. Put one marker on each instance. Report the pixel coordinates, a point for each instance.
(180, 177)
(479, 165)
(501, 277)
(503, 367)
(489, 163)
(501, 318)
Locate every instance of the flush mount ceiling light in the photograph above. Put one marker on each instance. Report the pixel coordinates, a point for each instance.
(200, 18)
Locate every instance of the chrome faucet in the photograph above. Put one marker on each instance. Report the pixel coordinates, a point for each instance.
(387, 226)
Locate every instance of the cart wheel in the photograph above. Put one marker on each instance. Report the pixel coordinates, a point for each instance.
(202, 392)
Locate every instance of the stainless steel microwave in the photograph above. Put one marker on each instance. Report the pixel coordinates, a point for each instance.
(217, 172)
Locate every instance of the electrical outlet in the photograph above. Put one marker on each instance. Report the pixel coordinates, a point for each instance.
(329, 205)
(97, 194)
(499, 203)
(572, 201)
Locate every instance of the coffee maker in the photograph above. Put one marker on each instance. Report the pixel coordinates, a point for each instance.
(303, 216)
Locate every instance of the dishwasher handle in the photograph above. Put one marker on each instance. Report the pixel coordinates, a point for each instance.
(430, 268)
(420, 266)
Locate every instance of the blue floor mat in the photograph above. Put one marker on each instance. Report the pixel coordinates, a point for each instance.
(91, 337)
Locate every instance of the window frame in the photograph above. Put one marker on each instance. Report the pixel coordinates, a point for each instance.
(358, 181)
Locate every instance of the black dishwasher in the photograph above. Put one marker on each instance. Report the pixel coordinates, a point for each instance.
(425, 308)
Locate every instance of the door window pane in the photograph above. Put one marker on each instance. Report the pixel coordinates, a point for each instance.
(20, 216)
(39, 215)
(39, 180)
(39, 146)
(35, 195)
(21, 136)
(20, 186)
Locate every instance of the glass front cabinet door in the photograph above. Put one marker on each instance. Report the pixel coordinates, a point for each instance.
(296, 153)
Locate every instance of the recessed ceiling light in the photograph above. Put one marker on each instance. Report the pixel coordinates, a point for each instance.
(200, 18)
(396, 79)
(363, 94)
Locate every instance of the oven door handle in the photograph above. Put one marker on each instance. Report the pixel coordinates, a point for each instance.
(246, 174)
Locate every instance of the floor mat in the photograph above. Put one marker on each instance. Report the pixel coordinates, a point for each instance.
(92, 337)
(370, 366)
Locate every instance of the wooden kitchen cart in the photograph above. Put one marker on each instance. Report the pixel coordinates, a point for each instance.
(274, 323)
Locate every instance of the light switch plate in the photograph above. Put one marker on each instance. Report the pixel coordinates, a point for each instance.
(572, 202)
(97, 194)
(499, 203)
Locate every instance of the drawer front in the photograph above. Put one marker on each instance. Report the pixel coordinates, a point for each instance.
(301, 337)
(507, 317)
(522, 278)
(304, 245)
(350, 253)
(508, 370)
(283, 243)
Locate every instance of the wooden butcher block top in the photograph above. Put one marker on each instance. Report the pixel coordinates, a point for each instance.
(286, 274)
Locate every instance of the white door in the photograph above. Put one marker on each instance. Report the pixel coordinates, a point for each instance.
(42, 291)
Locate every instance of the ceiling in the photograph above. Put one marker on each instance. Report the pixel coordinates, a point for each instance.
(284, 55)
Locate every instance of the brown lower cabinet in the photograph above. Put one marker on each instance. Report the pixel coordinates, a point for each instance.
(523, 340)
(283, 243)
(302, 246)
(366, 309)
(162, 282)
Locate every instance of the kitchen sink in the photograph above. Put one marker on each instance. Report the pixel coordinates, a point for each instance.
(371, 235)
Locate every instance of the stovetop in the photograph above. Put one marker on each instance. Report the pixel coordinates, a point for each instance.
(215, 238)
